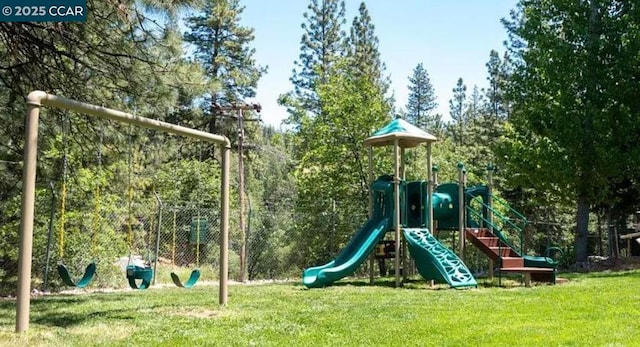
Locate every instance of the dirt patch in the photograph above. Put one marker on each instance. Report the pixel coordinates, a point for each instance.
(198, 313)
(597, 264)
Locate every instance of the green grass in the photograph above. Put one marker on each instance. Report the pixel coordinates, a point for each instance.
(599, 309)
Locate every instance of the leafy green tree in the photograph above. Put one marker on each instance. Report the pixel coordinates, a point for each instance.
(334, 168)
(273, 194)
(422, 102)
(572, 75)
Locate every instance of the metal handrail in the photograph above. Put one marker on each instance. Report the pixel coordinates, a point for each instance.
(498, 232)
(504, 203)
(502, 217)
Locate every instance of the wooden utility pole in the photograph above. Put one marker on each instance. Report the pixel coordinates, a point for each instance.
(241, 192)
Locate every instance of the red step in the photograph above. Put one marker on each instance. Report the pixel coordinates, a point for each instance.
(489, 241)
(502, 251)
(510, 262)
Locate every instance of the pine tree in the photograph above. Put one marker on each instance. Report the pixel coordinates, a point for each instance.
(422, 101)
(491, 120)
(222, 47)
(495, 93)
(320, 46)
(475, 106)
(477, 148)
(118, 59)
(457, 112)
(362, 50)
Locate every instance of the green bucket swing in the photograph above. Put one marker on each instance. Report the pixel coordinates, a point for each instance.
(195, 274)
(63, 270)
(135, 272)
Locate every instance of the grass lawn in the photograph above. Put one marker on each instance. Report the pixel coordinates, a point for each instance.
(597, 309)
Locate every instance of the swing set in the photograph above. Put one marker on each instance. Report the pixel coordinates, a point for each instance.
(35, 101)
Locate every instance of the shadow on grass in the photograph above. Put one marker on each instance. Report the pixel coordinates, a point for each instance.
(603, 274)
(389, 282)
(66, 319)
(49, 310)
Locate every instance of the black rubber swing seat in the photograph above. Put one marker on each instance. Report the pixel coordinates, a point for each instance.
(87, 277)
(135, 272)
(193, 278)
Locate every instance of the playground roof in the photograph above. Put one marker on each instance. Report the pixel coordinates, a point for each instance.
(407, 134)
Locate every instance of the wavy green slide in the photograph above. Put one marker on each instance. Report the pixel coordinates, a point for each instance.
(350, 257)
(437, 262)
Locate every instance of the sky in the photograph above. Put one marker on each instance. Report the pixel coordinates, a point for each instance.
(451, 38)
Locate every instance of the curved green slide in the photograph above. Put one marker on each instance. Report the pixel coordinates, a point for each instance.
(437, 262)
(350, 257)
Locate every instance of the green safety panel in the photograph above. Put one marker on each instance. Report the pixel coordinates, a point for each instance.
(437, 262)
(193, 278)
(446, 206)
(139, 273)
(204, 231)
(87, 277)
(415, 211)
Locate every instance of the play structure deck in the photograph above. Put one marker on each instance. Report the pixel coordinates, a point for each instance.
(411, 209)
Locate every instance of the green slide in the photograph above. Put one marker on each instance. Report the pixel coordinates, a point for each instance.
(437, 262)
(350, 257)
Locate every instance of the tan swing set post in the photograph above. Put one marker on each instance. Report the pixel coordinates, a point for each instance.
(37, 99)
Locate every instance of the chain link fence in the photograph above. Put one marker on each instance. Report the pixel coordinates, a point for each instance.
(179, 237)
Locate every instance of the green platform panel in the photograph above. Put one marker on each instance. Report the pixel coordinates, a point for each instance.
(202, 232)
(350, 258)
(446, 206)
(416, 215)
(437, 262)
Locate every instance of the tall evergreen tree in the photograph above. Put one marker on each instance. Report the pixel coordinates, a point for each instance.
(320, 46)
(362, 50)
(422, 101)
(222, 48)
(475, 106)
(457, 112)
(477, 148)
(495, 91)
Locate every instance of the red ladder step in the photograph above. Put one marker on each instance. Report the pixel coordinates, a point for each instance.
(489, 241)
(511, 262)
(502, 251)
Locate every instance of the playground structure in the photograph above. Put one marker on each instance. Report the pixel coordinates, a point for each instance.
(35, 100)
(412, 210)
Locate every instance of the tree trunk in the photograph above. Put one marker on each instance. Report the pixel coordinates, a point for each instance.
(582, 231)
(600, 251)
